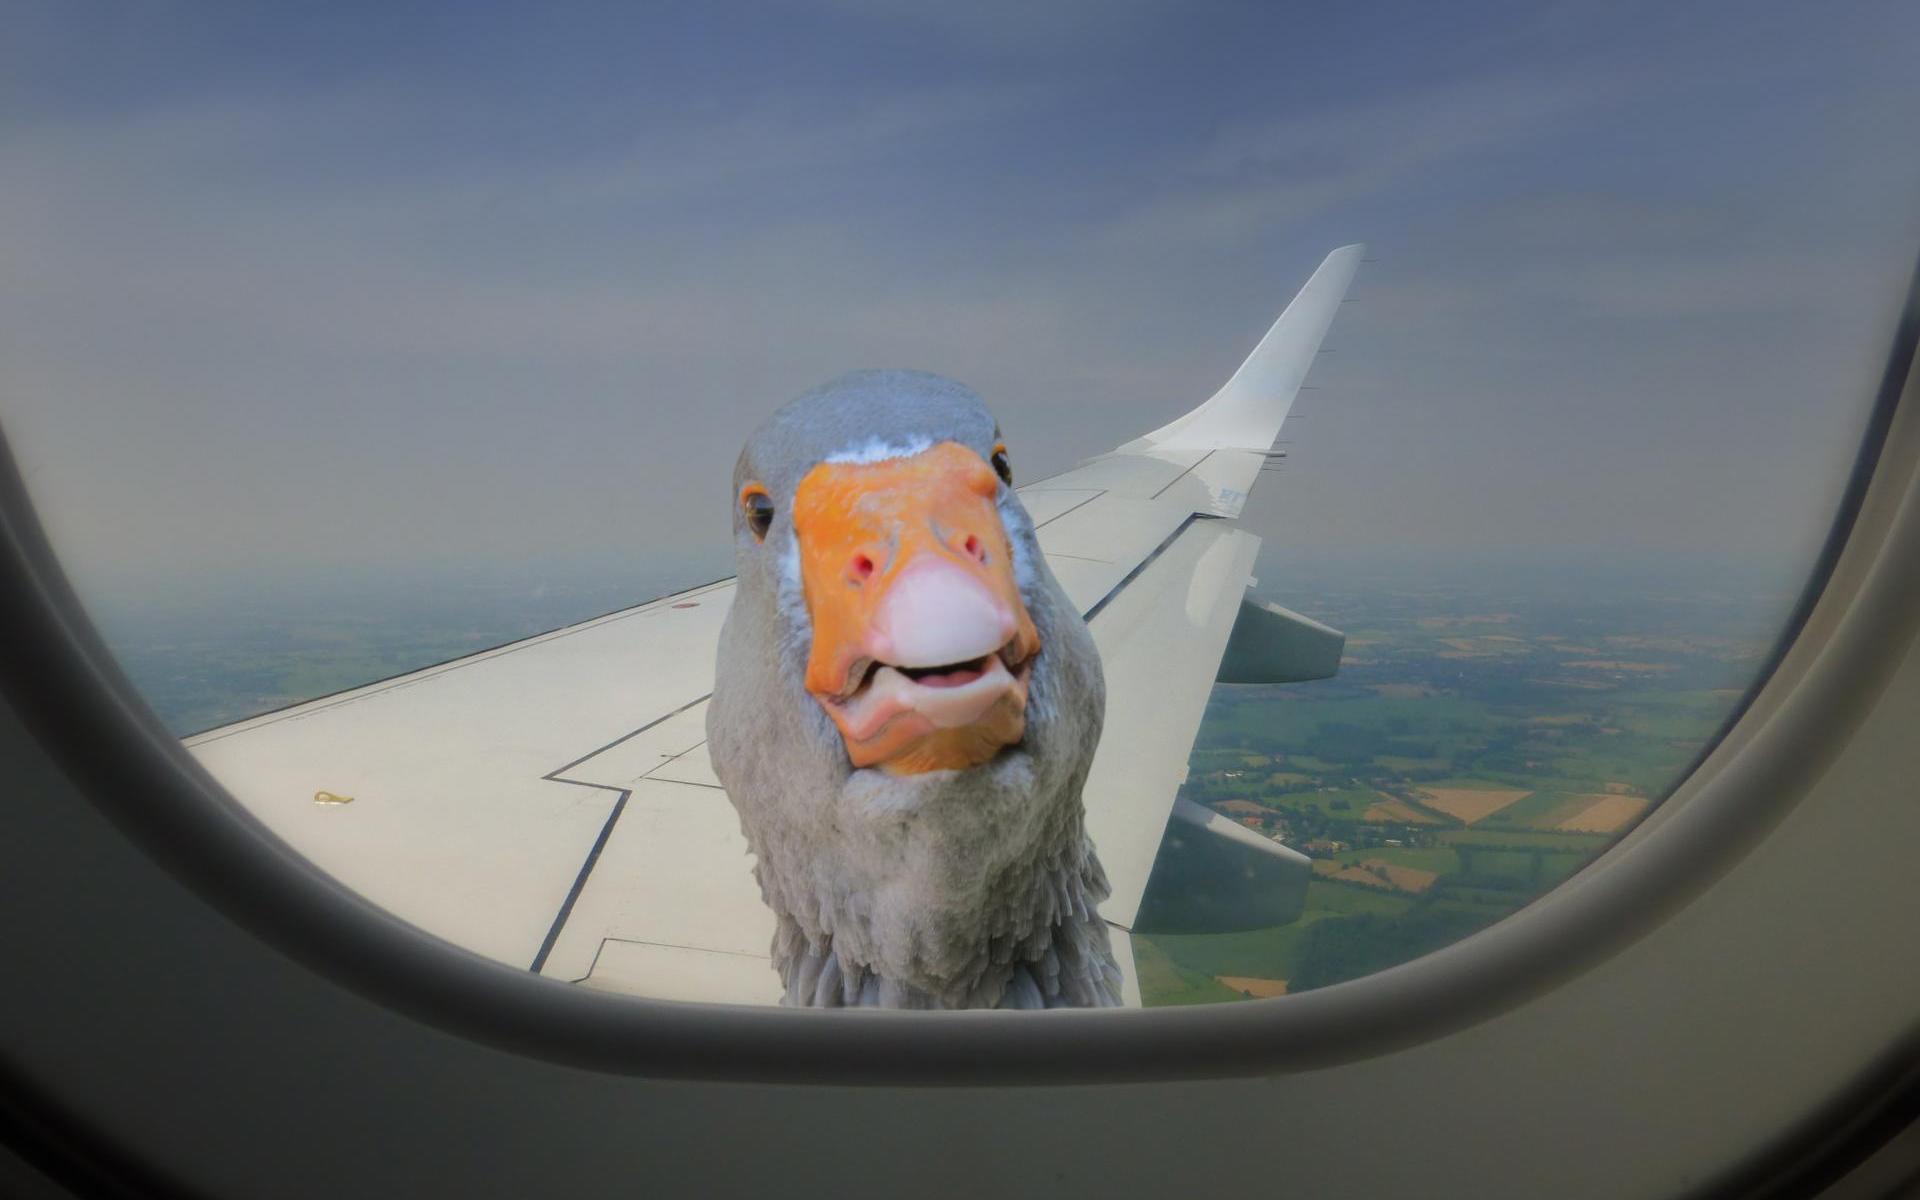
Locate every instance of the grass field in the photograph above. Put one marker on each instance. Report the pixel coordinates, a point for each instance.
(1541, 810)
(1604, 814)
(1479, 748)
(1168, 982)
(1350, 803)
(1259, 953)
(1389, 810)
(1588, 844)
(1442, 860)
(1468, 805)
(1378, 873)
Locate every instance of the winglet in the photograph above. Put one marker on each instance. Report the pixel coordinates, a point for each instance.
(1246, 413)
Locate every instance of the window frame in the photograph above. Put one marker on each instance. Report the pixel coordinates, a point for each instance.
(1861, 600)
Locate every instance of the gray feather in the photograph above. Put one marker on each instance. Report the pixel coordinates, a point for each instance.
(975, 888)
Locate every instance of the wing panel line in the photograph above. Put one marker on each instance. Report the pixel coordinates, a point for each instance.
(1144, 563)
(1182, 475)
(586, 868)
(628, 736)
(592, 860)
(1055, 517)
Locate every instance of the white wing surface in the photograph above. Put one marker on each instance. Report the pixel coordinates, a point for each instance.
(550, 803)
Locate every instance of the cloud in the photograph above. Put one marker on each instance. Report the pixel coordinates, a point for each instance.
(1257, 177)
(1016, 27)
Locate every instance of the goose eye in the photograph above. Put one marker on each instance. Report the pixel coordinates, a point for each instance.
(758, 507)
(1001, 466)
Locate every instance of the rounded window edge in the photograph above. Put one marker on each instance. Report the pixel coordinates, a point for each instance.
(1861, 601)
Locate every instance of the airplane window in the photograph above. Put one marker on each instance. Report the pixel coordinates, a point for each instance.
(380, 380)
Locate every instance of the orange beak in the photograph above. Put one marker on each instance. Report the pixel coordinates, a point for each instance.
(922, 647)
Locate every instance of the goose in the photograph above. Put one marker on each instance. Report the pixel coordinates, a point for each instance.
(905, 708)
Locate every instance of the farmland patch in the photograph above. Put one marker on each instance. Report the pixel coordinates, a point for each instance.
(1392, 810)
(1468, 805)
(1607, 814)
(1258, 989)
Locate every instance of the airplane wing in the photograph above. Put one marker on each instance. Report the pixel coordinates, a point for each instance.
(549, 803)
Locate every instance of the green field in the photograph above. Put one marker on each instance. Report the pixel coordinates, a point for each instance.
(1169, 982)
(1440, 859)
(1257, 954)
(1579, 843)
(1347, 803)
(1466, 686)
(1542, 810)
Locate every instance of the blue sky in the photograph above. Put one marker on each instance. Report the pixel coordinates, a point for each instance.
(352, 286)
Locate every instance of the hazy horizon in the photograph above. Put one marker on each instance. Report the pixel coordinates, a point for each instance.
(225, 650)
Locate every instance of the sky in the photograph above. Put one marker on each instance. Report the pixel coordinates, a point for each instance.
(305, 290)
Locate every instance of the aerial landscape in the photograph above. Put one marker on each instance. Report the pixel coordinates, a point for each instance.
(1490, 732)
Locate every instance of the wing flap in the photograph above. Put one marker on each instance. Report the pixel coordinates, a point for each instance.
(1271, 644)
(1215, 876)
